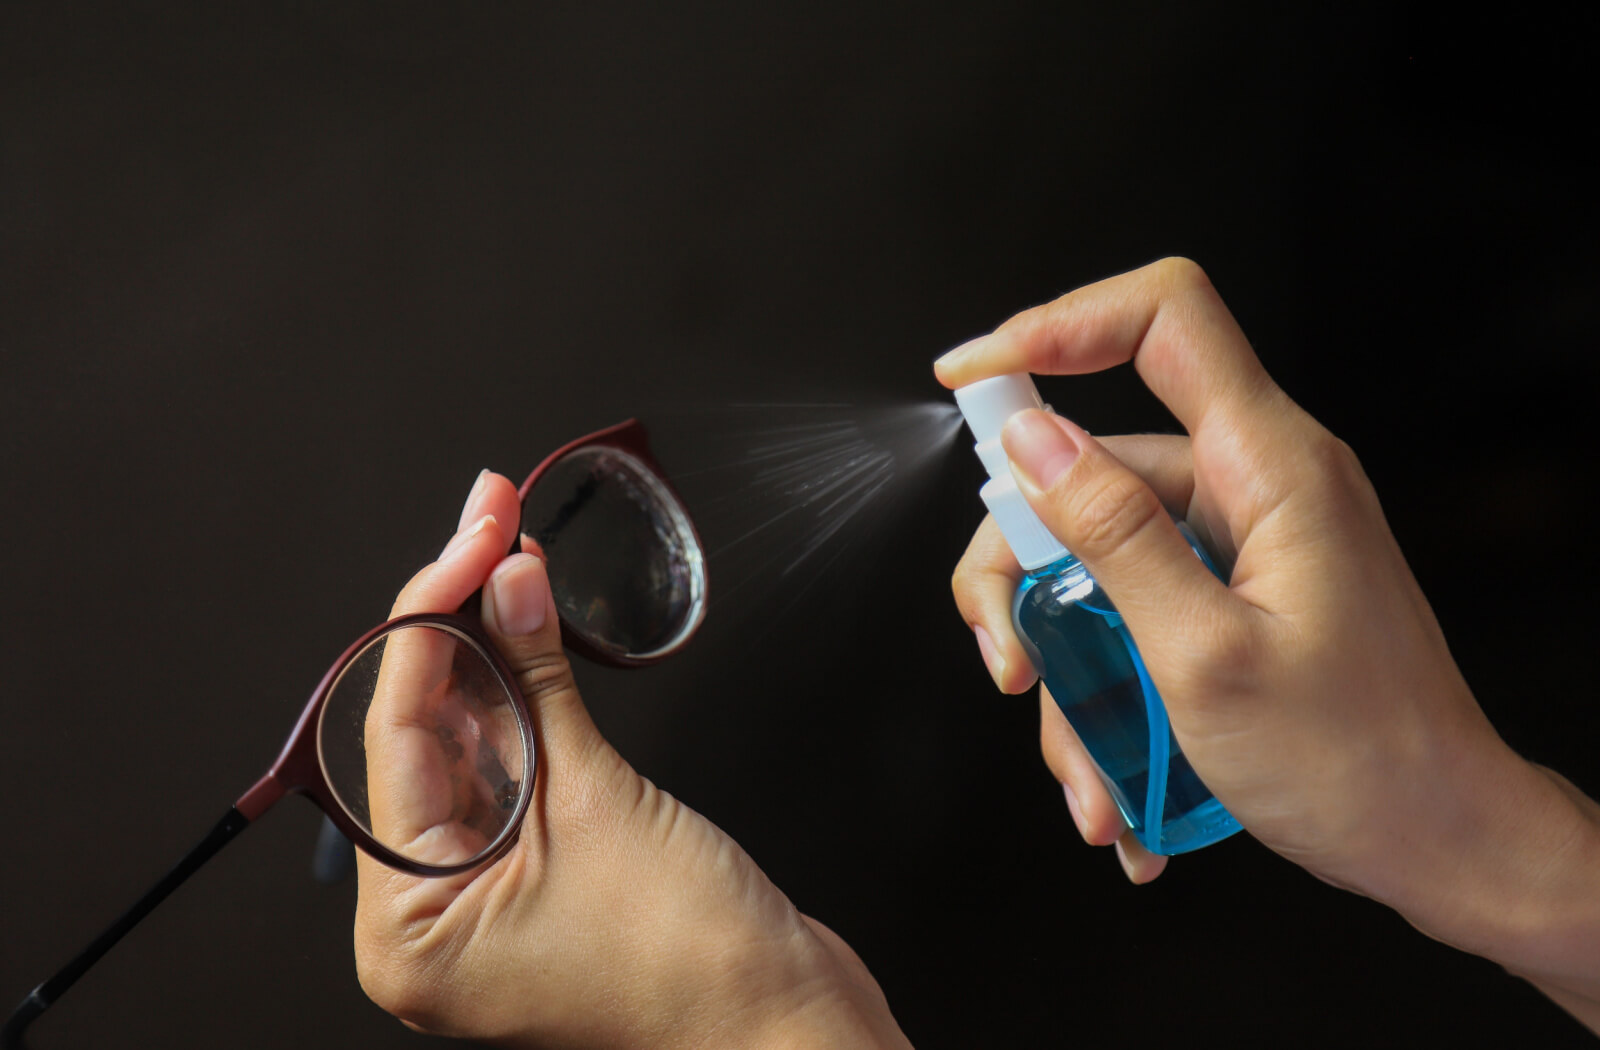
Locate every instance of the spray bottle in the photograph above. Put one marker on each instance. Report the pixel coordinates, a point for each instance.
(1083, 651)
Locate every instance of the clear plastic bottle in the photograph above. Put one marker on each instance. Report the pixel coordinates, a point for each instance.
(1085, 654)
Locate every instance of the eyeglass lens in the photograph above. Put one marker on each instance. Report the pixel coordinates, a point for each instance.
(423, 745)
(625, 566)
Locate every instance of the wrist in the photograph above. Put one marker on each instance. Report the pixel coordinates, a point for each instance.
(775, 992)
(835, 1017)
(1512, 877)
(795, 985)
(823, 995)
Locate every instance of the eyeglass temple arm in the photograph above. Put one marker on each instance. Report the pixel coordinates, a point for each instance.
(41, 998)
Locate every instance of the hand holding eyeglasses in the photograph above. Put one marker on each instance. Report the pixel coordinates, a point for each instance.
(619, 917)
(518, 879)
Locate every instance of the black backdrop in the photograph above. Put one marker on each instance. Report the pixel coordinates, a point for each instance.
(272, 291)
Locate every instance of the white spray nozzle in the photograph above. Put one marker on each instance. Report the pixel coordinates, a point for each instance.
(987, 405)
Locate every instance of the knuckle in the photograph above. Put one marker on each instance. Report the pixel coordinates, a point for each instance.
(986, 573)
(1335, 470)
(544, 674)
(963, 581)
(1335, 459)
(975, 590)
(1179, 274)
(1108, 514)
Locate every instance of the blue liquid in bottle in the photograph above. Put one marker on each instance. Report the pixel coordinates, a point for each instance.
(1082, 650)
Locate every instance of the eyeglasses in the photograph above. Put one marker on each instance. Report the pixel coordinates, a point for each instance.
(416, 743)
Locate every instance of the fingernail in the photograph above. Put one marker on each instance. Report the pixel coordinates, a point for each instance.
(1122, 858)
(1077, 813)
(1127, 863)
(518, 596)
(469, 510)
(991, 656)
(458, 542)
(951, 356)
(1040, 445)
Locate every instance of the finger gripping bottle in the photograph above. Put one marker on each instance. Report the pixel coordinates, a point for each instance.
(1083, 651)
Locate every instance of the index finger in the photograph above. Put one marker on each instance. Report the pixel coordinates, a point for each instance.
(1165, 317)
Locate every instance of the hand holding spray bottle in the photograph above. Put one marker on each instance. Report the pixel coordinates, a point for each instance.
(1084, 652)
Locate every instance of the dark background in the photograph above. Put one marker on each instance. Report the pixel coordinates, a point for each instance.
(272, 291)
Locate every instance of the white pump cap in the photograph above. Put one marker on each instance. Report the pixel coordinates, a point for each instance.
(987, 405)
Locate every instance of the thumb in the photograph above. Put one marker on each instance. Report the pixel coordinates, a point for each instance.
(520, 614)
(1116, 525)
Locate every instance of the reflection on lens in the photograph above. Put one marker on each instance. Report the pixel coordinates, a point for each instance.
(424, 746)
(625, 567)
